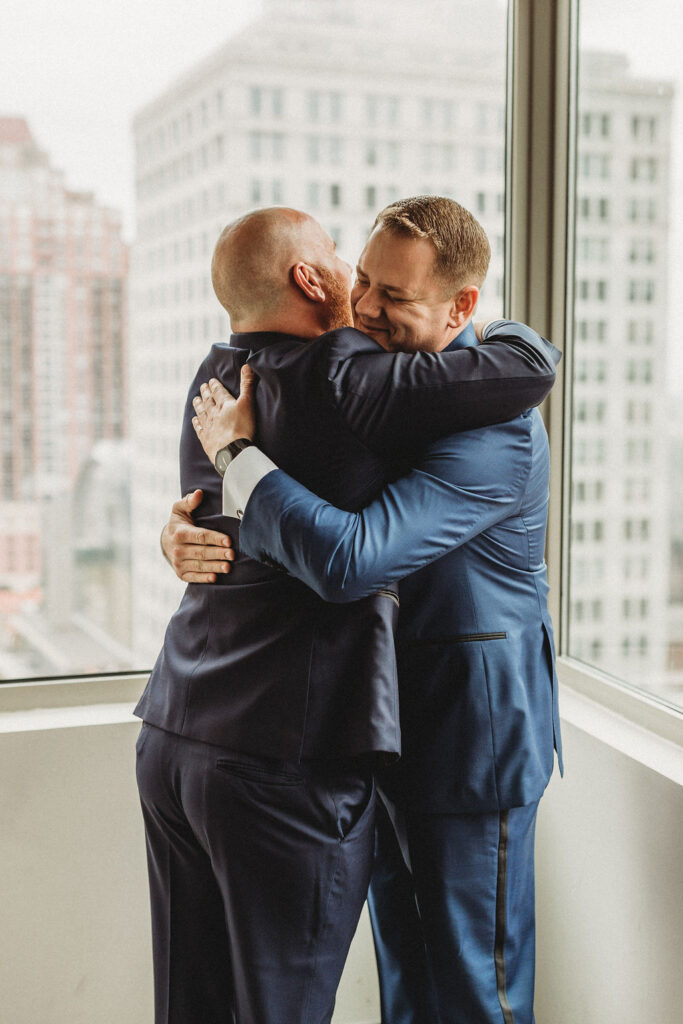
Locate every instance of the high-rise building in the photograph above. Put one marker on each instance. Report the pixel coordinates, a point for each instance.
(674, 675)
(63, 373)
(619, 549)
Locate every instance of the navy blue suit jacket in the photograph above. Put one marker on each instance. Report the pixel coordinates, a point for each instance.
(477, 683)
(258, 661)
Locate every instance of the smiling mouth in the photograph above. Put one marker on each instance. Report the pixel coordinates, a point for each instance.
(371, 328)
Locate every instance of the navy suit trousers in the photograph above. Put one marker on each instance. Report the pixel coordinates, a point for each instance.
(455, 930)
(258, 873)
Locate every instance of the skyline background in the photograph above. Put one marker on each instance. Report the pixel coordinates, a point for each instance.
(319, 106)
(79, 74)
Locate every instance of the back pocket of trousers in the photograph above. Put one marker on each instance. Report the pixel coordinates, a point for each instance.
(252, 771)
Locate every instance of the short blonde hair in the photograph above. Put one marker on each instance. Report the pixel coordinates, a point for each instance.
(462, 249)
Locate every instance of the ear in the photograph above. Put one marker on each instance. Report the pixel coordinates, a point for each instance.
(307, 279)
(463, 306)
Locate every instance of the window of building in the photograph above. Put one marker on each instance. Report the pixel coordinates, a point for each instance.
(623, 402)
(437, 113)
(324, 105)
(382, 110)
(644, 127)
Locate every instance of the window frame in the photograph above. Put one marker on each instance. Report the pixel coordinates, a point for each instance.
(542, 90)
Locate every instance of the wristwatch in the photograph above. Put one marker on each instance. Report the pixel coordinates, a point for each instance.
(224, 456)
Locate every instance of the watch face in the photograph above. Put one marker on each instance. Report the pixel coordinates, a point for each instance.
(223, 460)
(235, 447)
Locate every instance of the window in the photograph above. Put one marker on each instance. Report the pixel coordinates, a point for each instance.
(218, 138)
(324, 150)
(644, 127)
(438, 113)
(382, 110)
(384, 153)
(324, 106)
(627, 403)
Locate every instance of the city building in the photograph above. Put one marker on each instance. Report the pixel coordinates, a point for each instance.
(619, 580)
(675, 511)
(63, 372)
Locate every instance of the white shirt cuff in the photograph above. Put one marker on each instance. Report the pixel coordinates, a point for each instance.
(241, 477)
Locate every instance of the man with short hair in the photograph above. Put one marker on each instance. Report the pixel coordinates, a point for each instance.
(477, 685)
(268, 708)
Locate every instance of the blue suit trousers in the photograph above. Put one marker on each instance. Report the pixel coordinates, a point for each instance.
(453, 917)
(258, 873)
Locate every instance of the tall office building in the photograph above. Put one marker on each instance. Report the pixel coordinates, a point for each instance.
(675, 511)
(305, 108)
(63, 375)
(618, 571)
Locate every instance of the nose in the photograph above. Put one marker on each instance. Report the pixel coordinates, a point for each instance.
(367, 304)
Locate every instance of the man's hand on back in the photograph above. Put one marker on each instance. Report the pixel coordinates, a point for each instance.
(195, 554)
(221, 418)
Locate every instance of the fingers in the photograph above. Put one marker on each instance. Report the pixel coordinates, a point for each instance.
(201, 563)
(202, 539)
(247, 380)
(213, 392)
(200, 418)
(198, 567)
(202, 408)
(189, 502)
(212, 397)
(198, 577)
(202, 556)
(216, 391)
(208, 399)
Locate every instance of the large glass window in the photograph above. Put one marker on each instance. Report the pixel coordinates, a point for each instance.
(335, 106)
(626, 547)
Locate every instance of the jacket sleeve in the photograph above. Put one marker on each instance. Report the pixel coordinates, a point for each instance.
(459, 490)
(401, 402)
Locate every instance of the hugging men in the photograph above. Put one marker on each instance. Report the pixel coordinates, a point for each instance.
(269, 709)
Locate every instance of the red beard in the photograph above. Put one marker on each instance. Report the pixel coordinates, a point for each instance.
(338, 308)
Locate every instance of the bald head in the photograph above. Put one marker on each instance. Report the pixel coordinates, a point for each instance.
(252, 266)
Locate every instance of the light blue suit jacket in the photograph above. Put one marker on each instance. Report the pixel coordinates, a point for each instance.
(465, 532)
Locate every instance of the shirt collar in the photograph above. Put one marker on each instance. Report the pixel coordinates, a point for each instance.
(465, 339)
(256, 340)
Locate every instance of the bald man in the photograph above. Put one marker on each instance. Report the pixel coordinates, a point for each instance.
(268, 709)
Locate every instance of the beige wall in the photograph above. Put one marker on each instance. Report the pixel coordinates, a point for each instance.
(74, 945)
(74, 940)
(609, 873)
(74, 921)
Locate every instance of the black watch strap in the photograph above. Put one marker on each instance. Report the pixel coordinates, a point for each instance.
(224, 456)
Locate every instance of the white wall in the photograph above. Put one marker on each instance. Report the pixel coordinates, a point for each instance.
(609, 891)
(74, 923)
(74, 939)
